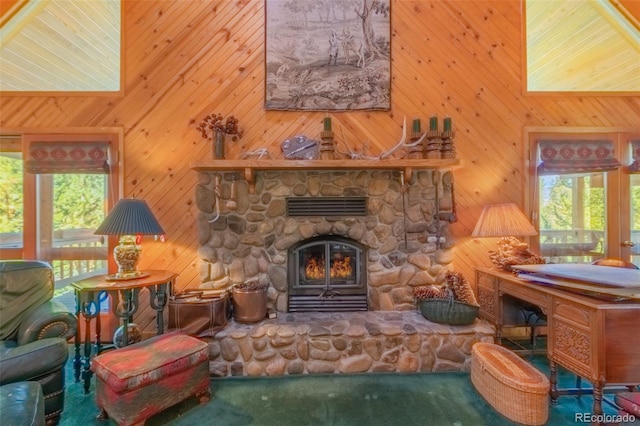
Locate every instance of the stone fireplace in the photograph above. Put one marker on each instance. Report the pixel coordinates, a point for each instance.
(290, 230)
(396, 234)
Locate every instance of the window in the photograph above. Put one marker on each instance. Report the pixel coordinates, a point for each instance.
(572, 217)
(11, 198)
(583, 197)
(56, 190)
(581, 47)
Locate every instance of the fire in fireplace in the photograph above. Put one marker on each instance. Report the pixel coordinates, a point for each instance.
(327, 274)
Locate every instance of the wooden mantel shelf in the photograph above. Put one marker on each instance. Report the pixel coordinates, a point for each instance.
(250, 166)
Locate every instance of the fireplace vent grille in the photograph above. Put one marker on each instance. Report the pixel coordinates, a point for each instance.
(327, 206)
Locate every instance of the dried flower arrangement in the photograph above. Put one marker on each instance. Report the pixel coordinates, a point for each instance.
(217, 123)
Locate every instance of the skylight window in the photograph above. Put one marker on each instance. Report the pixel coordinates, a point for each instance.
(581, 46)
(61, 46)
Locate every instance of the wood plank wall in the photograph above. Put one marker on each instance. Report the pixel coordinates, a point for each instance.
(185, 59)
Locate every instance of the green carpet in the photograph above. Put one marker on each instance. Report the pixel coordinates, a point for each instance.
(364, 399)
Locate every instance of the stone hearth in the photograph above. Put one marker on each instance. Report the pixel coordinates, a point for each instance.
(346, 342)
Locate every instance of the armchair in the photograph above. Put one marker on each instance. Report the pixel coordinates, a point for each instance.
(33, 331)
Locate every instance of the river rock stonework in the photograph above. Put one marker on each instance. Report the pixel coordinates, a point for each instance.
(347, 342)
(246, 236)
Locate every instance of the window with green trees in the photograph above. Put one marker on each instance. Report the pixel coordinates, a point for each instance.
(11, 204)
(572, 217)
(54, 196)
(584, 194)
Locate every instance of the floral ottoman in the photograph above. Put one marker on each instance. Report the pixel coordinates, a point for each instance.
(135, 382)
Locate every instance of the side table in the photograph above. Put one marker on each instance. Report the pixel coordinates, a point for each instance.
(88, 297)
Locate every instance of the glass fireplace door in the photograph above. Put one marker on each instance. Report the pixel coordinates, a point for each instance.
(327, 273)
(328, 265)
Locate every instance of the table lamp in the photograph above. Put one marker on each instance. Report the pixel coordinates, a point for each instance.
(507, 222)
(128, 219)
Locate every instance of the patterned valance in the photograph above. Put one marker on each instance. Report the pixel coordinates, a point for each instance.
(67, 157)
(635, 154)
(576, 156)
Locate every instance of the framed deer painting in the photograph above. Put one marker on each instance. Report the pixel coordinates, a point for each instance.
(327, 55)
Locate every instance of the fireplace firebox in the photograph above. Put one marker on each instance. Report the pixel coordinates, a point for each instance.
(327, 274)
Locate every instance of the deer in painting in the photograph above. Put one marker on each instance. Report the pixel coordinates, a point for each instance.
(333, 48)
(351, 44)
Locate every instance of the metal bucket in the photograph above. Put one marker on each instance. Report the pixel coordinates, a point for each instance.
(249, 305)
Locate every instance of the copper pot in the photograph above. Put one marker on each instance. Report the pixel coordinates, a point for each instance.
(249, 305)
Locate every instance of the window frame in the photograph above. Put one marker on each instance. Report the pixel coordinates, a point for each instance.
(30, 190)
(617, 182)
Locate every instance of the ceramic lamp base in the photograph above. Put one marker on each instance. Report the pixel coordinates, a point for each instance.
(127, 255)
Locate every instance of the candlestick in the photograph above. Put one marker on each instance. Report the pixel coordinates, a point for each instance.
(447, 124)
(433, 123)
(327, 124)
(416, 125)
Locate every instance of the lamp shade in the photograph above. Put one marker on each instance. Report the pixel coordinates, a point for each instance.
(130, 216)
(503, 220)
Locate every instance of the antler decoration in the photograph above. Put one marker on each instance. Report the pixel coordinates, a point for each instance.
(401, 144)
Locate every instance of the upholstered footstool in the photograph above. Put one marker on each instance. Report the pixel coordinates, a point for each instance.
(514, 387)
(135, 382)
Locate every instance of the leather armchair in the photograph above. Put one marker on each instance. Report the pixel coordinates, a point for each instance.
(34, 331)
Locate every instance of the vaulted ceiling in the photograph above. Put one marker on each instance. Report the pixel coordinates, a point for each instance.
(60, 45)
(75, 45)
(582, 46)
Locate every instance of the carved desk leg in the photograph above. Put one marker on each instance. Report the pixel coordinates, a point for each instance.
(498, 311)
(597, 396)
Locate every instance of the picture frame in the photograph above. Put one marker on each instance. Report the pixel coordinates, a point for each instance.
(327, 55)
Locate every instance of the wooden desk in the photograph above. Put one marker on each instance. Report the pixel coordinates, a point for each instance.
(125, 298)
(595, 339)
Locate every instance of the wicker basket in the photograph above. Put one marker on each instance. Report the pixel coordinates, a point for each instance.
(514, 387)
(448, 311)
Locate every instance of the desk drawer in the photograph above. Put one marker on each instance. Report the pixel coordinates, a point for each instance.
(571, 312)
(527, 294)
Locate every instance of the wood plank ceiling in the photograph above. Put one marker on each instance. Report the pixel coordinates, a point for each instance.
(581, 46)
(61, 46)
(74, 46)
